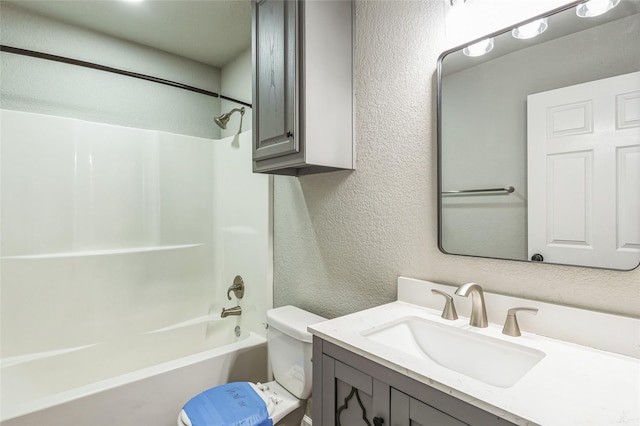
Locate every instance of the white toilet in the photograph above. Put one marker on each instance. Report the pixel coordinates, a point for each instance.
(281, 401)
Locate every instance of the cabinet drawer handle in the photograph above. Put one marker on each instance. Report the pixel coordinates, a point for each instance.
(289, 134)
(378, 421)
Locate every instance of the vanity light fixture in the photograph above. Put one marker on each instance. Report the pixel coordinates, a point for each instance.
(480, 48)
(531, 29)
(593, 8)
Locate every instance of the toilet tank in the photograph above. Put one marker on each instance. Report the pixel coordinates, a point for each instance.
(290, 348)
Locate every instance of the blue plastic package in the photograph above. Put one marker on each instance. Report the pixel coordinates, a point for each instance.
(233, 404)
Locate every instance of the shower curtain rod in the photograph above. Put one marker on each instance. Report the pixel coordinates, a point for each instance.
(91, 65)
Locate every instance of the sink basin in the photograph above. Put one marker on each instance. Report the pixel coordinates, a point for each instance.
(490, 360)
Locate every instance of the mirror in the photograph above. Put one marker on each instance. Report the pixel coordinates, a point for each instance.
(539, 141)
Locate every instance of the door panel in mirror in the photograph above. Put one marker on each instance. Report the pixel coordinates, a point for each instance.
(583, 175)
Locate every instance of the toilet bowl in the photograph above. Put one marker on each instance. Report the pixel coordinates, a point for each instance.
(281, 401)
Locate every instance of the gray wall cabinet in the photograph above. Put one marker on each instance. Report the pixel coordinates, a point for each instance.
(303, 103)
(348, 388)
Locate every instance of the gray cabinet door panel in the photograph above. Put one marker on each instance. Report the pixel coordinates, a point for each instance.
(354, 377)
(407, 411)
(274, 47)
(328, 405)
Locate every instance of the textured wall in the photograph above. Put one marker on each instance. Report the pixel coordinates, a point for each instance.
(342, 239)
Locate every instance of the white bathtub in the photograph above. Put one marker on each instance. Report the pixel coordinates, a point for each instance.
(138, 380)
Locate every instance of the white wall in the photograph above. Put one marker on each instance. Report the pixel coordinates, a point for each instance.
(343, 238)
(37, 85)
(242, 226)
(235, 82)
(245, 214)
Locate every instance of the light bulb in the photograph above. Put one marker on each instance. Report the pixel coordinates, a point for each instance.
(480, 48)
(531, 29)
(595, 8)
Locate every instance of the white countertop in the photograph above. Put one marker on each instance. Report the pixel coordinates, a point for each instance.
(571, 385)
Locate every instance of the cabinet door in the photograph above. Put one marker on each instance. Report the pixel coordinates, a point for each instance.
(274, 91)
(407, 411)
(351, 397)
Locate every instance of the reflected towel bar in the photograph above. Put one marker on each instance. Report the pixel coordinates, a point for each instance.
(488, 191)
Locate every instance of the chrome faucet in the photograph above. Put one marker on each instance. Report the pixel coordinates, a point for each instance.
(478, 310)
(236, 310)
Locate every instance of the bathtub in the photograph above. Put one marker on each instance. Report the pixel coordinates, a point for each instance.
(142, 379)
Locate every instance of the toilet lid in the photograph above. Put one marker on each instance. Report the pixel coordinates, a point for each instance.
(232, 404)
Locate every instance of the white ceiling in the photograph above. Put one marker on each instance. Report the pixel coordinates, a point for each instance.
(209, 31)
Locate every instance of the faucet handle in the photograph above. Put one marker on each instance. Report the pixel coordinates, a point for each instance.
(449, 311)
(237, 287)
(511, 327)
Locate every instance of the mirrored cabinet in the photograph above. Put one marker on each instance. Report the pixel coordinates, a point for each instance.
(302, 86)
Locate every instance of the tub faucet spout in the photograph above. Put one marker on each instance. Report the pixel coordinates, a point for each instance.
(478, 309)
(236, 310)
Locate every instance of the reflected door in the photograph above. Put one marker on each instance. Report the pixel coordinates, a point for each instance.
(584, 173)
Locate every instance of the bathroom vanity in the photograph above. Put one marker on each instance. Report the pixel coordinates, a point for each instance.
(390, 396)
(401, 363)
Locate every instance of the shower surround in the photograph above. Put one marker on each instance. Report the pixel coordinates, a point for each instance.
(110, 233)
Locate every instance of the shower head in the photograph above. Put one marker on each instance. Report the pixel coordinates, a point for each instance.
(224, 118)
